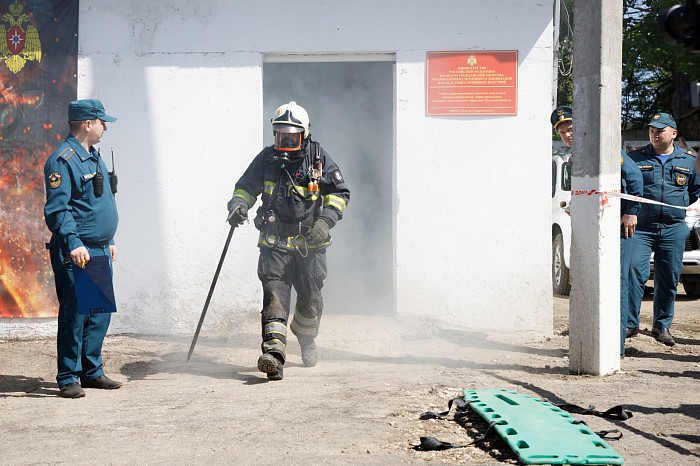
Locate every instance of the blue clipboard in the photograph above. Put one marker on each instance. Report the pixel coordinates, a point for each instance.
(93, 286)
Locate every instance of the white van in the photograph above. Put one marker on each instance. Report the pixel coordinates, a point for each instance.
(561, 221)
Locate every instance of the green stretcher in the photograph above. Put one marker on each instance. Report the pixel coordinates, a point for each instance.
(539, 432)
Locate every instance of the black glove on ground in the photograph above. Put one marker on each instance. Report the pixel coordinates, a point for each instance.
(319, 231)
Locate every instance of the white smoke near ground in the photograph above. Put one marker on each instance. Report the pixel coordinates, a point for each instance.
(350, 105)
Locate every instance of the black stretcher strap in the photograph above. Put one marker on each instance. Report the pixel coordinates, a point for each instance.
(433, 444)
(617, 413)
(461, 405)
(460, 410)
(607, 434)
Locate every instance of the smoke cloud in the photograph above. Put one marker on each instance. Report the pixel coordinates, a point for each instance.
(350, 106)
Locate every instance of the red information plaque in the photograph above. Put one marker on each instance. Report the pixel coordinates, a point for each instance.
(483, 82)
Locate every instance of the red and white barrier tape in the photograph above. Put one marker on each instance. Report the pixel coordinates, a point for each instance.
(604, 202)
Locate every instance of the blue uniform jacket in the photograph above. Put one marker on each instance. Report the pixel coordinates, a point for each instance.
(293, 201)
(72, 212)
(674, 183)
(631, 184)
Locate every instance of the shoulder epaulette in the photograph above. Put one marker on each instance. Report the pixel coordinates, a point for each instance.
(690, 153)
(66, 153)
(636, 149)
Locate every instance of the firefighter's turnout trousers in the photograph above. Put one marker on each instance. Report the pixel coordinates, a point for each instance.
(278, 271)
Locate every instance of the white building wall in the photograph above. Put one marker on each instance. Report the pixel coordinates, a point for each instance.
(474, 244)
(184, 77)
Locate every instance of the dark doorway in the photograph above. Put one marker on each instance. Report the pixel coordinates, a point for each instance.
(351, 107)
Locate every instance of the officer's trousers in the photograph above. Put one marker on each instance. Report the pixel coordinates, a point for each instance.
(279, 270)
(625, 259)
(667, 243)
(80, 336)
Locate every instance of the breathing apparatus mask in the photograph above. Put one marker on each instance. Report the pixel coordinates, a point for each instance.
(288, 138)
(290, 126)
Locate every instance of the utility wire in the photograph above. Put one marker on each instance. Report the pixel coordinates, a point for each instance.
(565, 46)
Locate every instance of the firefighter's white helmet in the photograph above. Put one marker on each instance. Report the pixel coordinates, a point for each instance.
(292, 114)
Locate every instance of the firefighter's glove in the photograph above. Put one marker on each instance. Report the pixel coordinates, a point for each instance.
(319, 231)
(238, 213)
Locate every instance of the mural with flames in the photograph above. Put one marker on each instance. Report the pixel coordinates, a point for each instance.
(38, 69)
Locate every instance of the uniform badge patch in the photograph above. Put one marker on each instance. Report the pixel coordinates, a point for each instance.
(338, 176)
(54, 180)
(681, 179)
(656, 117)
(622, 161)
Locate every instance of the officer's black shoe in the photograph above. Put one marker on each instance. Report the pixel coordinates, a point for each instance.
(102, 382)
(71, 390)
(664, 336)
(272, 366)
(631, 332)
(309, 355)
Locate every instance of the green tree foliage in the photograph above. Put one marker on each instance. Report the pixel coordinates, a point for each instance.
(565, 81)
(565, 55)
(652, 70)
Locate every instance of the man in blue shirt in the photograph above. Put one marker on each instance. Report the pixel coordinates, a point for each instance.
(82, 215)
(669, 177)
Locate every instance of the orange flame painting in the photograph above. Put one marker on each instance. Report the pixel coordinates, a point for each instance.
(33, 121)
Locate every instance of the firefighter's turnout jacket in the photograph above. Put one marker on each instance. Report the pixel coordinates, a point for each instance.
(289, 207)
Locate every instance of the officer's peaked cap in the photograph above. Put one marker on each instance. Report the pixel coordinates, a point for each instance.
(561, 115)
(88, 109)
(662, 120)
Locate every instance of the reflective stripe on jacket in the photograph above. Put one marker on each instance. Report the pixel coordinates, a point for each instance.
(293, 201)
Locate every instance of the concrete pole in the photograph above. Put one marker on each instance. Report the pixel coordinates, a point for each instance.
(594, 312)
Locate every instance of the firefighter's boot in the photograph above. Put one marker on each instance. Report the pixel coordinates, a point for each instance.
(309, 355)
(271, 365)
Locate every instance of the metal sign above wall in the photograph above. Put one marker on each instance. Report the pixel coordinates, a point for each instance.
(483, 82)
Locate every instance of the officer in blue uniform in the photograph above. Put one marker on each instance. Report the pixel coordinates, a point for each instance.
(303, 196)
(82, 215)
(631, 183)
(669, 177)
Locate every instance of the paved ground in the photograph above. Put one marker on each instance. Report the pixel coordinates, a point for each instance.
(360, 405)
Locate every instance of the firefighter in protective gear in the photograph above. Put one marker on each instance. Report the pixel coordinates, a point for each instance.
(303, 196)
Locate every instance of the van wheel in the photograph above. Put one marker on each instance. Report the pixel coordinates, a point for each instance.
(691, 284)
(560, 272)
